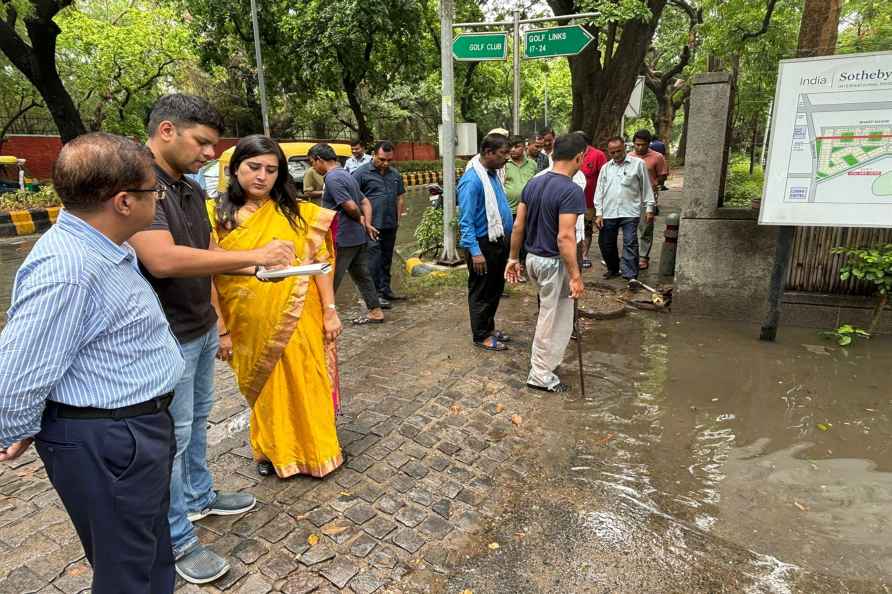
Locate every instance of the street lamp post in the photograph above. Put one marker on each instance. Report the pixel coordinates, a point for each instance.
(264, 113)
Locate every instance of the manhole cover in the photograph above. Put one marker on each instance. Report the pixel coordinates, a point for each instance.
(600, 304)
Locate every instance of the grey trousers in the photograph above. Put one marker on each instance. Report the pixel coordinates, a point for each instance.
(355, 261)
(555, 322)
(645, 237)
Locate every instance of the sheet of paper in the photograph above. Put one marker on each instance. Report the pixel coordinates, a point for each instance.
(304, 270)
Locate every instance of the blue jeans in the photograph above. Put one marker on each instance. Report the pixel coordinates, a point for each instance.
(607, 243)
(191, 485)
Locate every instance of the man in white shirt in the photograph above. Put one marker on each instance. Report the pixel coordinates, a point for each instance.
(623, 186)
(359, 157)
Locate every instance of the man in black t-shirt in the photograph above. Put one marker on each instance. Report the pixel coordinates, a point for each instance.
(178, 257)
(545, 225)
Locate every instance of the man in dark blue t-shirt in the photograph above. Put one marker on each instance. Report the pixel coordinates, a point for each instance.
(546, 226)
(341, 194)
(383, 186)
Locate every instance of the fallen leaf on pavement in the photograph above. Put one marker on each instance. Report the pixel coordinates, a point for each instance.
(604, 440)
(824, 426)
(800, 507)
(500, 407)
(312, 539)
(516, 419)
(332, 530)
(493, 545)
(455, 409)
(346, 493)
(467, 592)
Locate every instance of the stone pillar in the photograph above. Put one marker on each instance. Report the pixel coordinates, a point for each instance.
(724, 258)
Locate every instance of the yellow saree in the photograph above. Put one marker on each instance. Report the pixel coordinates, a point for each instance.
(279, 355)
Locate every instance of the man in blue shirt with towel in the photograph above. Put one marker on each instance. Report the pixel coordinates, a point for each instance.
(485, 223)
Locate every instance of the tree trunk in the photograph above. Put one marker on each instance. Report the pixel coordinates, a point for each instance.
(37, 62)
(683, 141)
(753, 140)
(665, 118)
(363, 131)
(877, 312)
(601, 92)
(818, 28)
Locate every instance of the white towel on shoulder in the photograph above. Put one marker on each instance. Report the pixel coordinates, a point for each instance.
(495, 229)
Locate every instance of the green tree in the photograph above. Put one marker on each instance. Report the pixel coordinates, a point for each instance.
(28, 37)
(115, 57)
(362, 47)
(604, 74)
(666, 66)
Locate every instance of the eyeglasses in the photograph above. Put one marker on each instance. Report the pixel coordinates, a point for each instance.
(157, 190)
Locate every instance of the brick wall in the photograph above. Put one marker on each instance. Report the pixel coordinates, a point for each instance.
(40, 151)
(414, 151)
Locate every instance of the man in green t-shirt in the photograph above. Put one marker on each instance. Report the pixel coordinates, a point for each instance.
(313, 184)
(518, 171)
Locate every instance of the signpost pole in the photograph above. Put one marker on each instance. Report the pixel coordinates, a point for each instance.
(264, 112)
(515, 108)
(546, 99)
(447, 142)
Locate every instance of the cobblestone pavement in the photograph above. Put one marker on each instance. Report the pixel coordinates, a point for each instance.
(427, 425)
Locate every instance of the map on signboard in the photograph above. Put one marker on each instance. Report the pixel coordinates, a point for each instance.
(830, 161)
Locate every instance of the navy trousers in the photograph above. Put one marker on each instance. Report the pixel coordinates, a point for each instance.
(607, 242)
(380, 259)
(113, 477)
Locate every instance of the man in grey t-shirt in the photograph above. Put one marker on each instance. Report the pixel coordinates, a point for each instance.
(341, 194)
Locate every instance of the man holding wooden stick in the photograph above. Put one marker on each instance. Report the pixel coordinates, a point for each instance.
(546, 226)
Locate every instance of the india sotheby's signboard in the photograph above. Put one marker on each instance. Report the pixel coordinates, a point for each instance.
(830, 156)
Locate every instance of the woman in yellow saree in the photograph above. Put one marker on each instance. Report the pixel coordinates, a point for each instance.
(282, 333)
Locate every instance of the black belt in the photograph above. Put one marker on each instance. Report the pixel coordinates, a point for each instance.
(66, 411)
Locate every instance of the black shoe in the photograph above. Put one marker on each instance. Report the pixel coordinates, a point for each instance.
(384, 303)
(265, 468)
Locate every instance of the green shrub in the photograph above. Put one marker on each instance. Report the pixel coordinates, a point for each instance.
(24, 199)
(871, 264)
(741, 188)
(429, 232)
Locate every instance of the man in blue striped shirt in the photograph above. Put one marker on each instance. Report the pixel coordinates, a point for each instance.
(88, 363)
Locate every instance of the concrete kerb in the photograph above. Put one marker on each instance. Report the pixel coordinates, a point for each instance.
(27, 222)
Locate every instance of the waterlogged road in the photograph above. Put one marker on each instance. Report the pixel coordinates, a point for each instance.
(701, 460)
(704, 461)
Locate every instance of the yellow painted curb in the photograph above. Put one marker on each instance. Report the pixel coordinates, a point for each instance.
(24, 224)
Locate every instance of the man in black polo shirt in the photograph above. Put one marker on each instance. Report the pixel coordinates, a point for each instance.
(549, 207)
(383, 186)
(178, 258)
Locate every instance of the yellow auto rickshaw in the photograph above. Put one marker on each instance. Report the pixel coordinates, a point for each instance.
(295, 153)
(14, 176)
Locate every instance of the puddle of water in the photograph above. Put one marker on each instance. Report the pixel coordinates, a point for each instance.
(699, 421)
(12, 253)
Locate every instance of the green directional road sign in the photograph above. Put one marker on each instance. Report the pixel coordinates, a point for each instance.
(476, 47)
(557, 41)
